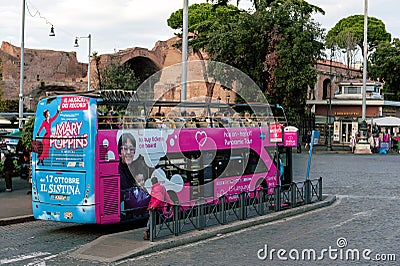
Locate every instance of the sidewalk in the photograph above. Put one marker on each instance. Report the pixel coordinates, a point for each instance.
(15, 206)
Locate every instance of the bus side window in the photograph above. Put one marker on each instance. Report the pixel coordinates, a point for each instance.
(255, 164)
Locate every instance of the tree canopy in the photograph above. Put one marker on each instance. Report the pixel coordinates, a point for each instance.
(277, 45)
(118, 76)
(385, 66)
(353, 27)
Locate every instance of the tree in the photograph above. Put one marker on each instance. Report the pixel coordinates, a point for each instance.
(96, 57)
(278, 47)
(27, 133)
(354, 26)
(384, 65)
(118, 76)
(298, 45)
(203, 19)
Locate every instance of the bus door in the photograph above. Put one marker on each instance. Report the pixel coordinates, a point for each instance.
(285, 165)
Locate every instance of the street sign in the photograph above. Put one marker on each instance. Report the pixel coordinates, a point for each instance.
(290, 138)
(275, 133)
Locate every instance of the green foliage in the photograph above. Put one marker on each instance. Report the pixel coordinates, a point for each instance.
(297, 44)
(203, 18)
(354, 26)
(9, 105)
(118, 77)
(385, 66)
(277, 47)
(27, 133)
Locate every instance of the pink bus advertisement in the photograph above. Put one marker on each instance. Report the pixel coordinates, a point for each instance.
(91, 166)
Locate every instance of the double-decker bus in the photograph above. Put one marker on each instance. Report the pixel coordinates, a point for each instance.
(95, 154)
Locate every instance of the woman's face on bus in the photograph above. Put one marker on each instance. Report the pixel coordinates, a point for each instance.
(127, 152)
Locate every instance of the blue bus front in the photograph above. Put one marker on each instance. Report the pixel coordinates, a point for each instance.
(63, 159)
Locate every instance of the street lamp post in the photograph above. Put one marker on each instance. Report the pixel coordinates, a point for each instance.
(22, 74)
(21, 79)
(363, 147)
(89, 37)
(329, 144)
(184, 49)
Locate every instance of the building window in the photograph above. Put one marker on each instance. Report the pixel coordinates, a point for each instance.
(352, 90)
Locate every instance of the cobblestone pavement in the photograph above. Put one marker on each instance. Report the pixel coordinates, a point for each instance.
(365, 217)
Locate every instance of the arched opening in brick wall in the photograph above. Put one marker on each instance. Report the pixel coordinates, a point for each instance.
(326, 88)
(142, 66)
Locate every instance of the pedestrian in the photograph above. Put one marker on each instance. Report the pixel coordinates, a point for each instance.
(308, 140)
(8, 171)
(158, 198)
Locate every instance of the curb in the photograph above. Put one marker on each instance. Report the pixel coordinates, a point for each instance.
(17, 219)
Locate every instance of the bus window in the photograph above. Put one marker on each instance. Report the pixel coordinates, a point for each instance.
(255, 165)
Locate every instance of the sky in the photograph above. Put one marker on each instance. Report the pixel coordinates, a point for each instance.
(120, 24)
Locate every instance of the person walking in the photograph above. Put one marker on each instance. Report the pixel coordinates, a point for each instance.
(308, 140)
(8, 170)
(158, 198)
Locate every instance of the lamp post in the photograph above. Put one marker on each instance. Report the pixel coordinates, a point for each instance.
(364, 102)
(89, 37)
(184, 49)
(363, 147)
(21, 78)
(22, 63)
(329, 142)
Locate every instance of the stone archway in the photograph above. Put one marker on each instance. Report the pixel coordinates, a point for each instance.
(142, 66)
(326, 87)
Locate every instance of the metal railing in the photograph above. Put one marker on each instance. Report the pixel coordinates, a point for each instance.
(177, 219)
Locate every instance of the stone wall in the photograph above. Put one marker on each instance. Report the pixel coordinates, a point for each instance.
(42, 67)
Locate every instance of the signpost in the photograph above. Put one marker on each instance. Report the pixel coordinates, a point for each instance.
(314, 140)
(290, 138)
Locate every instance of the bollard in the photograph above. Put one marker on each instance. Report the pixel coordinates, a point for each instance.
(307, 185)
(152, 220)
(176, 219)
(242, 206)
(277, 199)
(223, 211)
(293, 194)
(320, 188)
(261, 201)
(200, 214)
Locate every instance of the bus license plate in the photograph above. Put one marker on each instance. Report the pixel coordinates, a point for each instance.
(60, 197)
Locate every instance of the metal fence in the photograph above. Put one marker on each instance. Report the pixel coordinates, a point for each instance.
(178, 219)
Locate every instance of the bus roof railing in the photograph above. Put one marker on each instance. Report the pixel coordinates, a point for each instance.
(127, 97)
